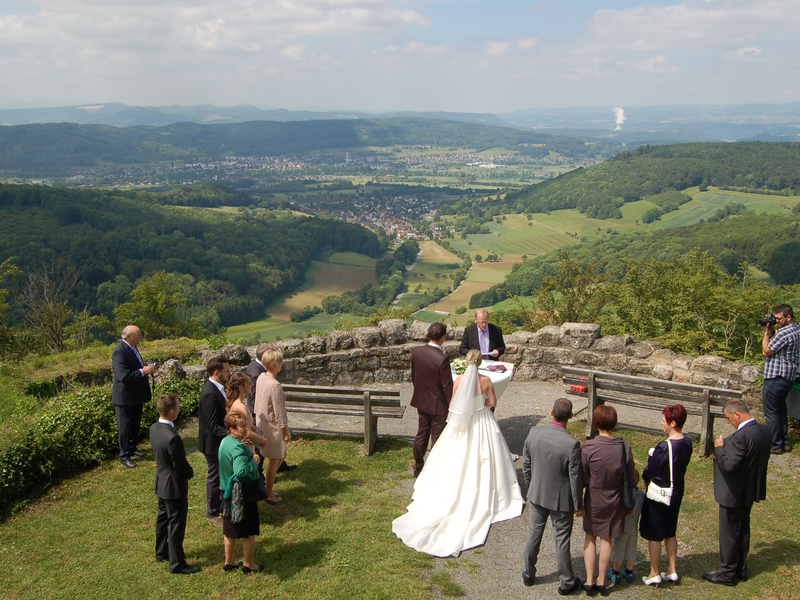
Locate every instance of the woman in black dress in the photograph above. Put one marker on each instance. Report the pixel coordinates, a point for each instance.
(659, 522)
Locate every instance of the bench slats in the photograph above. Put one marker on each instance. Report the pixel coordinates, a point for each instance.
(642, 391)
(344, 400)
(656, 383)
(320, 389)
(390, 413)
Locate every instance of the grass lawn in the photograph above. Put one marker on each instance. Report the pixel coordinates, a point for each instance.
(92, 536)
(353, 259)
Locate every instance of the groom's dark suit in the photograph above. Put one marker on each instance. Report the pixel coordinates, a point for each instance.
(211, 431)
(129, 391)
(433, 389)
(740, 478)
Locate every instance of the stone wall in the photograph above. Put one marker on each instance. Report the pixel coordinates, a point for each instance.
(383, 355)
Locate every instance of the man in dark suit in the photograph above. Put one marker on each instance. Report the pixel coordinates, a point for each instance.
(173, 473)
(211, 431)
(254, 371)
(433, 389)
(129, 391)
(551, 465)
(483, 336)
(740, 478)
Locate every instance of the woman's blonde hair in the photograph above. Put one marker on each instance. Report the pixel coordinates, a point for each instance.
(271, 359)
(235, 419)
(474, 358)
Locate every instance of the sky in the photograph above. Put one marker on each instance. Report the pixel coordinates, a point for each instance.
(383, 55)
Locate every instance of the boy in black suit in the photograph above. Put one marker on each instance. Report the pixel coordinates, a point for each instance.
(173, 473)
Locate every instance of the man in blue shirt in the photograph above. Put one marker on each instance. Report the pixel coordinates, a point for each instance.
(780, 369)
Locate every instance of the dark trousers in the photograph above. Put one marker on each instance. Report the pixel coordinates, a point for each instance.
(776, 390)
(430, 427)
(170, 531)
(562, 532)
(129, 419)
(734, 541)
(213, 493)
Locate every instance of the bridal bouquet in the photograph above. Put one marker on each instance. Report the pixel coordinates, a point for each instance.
(458, 365)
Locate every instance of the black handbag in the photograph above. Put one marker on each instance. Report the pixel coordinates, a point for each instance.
(254, 490)
(628, 490)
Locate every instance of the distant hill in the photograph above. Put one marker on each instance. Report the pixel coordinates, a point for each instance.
(46, 148)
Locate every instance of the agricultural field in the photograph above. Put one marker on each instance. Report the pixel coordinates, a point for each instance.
(433, 270)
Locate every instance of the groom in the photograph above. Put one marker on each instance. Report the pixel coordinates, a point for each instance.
(433, 389)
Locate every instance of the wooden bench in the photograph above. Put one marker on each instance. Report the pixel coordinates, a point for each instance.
(651, 394)
(370, 404)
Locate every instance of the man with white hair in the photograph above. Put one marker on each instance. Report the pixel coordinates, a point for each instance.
(483, 336)
(129, 391)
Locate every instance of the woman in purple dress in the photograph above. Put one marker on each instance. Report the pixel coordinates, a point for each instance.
(659, 522)
(602, 462)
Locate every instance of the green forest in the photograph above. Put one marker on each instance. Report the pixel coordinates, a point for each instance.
(43, 149)
(649, 171)
(119, 251)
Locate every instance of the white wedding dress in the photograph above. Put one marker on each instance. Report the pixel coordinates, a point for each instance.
(468, 481)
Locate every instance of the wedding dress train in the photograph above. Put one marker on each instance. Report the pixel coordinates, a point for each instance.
(468, 481)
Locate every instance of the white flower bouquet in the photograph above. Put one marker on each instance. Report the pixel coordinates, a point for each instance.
(458, 365)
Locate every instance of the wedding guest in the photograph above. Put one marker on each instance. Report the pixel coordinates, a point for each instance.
(237, 391)
(236, 459)
(660, 521)
(623, 548)
(602, 463)
(211, 431)
(270, 409)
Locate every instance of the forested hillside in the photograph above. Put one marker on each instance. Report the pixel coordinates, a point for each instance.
(650, 170)
(229, 265)
(49, 148)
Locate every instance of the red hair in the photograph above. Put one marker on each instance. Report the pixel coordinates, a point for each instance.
(677, 413)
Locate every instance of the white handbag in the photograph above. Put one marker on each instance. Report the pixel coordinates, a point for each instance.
(655, 492)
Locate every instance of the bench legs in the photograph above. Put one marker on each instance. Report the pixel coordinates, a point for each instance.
(707, 428)
(370, 434)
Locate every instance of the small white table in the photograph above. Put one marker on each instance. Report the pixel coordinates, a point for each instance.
(500, 380)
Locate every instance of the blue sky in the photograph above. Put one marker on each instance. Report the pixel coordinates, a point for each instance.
(378, 55)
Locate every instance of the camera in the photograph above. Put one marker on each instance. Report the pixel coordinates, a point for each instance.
(768, 320)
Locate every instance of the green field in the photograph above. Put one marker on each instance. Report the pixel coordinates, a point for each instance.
(273, 328)
(352, 259)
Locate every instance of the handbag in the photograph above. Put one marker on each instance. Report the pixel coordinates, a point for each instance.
(628, 490)
(254, 490)
(655, 492)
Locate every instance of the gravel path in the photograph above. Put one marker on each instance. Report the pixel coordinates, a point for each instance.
(494, 570)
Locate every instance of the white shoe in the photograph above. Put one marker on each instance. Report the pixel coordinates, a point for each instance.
(656, 580)
(673, 578)
(514, 457)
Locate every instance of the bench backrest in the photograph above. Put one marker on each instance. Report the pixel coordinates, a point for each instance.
(318, 394)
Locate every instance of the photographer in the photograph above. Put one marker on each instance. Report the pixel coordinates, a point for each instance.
(780, 369)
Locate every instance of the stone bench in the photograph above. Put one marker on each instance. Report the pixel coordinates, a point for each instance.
(322, 400)
(650, 394)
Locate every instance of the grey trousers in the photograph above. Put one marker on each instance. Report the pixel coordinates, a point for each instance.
(562, 532)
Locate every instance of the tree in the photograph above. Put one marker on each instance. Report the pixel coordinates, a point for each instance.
(6, 270)
(45, 296)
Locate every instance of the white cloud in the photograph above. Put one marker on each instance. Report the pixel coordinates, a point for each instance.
(654, 64)
(744, 54)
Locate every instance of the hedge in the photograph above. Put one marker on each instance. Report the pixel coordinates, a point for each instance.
(69, 434)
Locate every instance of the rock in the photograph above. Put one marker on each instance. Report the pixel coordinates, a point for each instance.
(236, 354)
(682, 362)
(291, 347)
(639, 366)
(394, 331)
(704, 379)
(749, 373)
(592, 359)
(663, 356)
(531, 355)
(195, 372)
(451, 334)
(708, 363)
(643, 349)
(316, 344)
(339, 340)
(612, 343)
(451, 349)
(681, 376)
(458, 332)
(169, 368)
(521, 337)
(549, 335)
(419, 331)
(662, 371)
(367, 337)
(617, 362)
(579, 335)
(560, 356)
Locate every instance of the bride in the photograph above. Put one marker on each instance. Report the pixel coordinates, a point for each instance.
(469, 480)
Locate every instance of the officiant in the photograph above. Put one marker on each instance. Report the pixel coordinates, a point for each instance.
(483, 336)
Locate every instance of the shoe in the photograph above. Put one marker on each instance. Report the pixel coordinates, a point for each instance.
(614, 577)
(570, 589)
(285, 468)
(215, 521)
(514, 457)
(742, 575)
(137, 453)
(655, 580)
(777, 451)
(246, 569)
(673, 578)
(187, 570)
(227, 567)
(128, 463)
(603, 590)
(787, 448)
(589, 589)
(277, 499)
(627, 574)
(719, 579)
(528, 581)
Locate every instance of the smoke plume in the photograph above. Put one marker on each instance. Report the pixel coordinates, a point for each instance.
(619, 116)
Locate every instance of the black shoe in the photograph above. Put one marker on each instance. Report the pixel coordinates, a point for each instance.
(137, 453)
(227, 567)
(246, 569)
(528, 581)
(603, 589)
(589, 589)
(570, 589)
(787, 448)
(777, 451)
(187, 570)
(128, 463)
(742, 575)
(284, 467)
(719, 579)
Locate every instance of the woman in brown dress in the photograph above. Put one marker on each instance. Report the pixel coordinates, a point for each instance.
(270, 409)
(601, 459)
